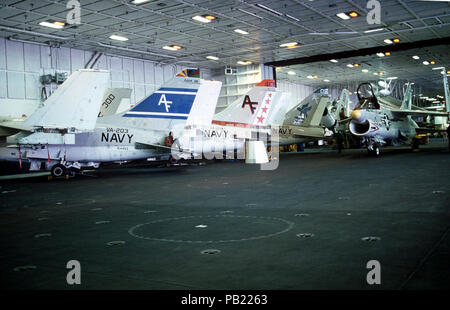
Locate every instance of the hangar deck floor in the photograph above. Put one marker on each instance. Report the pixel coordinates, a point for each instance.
(167, 217)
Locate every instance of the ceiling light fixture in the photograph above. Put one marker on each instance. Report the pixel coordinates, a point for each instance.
(212, 57)
(289, 45)
(240, 31)
(416, 57)
(203, 19)
(333, 60)
(118, 38)
(343, 16)
(388, 41)
(291, 73)
(365, 70)
(426, 63)
(172, 47)
(374, 30)
(54, 25)
(269, 9)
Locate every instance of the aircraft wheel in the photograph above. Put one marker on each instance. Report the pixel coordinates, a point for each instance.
(376, 150)
(58, 170)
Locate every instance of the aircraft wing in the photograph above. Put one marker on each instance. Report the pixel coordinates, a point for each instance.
(301, 131)
(403, 113)
(10, 128)
(19, 125)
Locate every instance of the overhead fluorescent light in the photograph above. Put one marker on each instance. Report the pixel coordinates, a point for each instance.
(53, 25)
(172, 47)
(291, 73)
(380, 54)
(201, 19)
(212, 57)
(292, 17)
(326, 81)
(365, 70)
(388, 41)
(289, 45)
(343, 16)
(309, 77)
(333, 60)
(244, 63)
(375, 73)
(392, 78)
(139, 1)
(269, 9)
(416, 57)
(240, 31)
(250, 13)
(118, 38)
(426, 63)
(374, 30)
(438, 68)
(350, 65)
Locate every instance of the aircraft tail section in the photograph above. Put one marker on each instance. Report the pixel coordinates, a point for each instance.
(407, 98)
(75, 103)
(260, 106)
(309, 112)
(185, 97)
(112, 99)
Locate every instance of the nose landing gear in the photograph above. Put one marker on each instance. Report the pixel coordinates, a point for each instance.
(373, 150)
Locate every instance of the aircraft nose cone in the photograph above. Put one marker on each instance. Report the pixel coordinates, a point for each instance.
(356, 114)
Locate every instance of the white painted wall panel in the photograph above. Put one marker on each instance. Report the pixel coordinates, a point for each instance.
(77, 59)
(138, 69)
(14, 56)
(63, 61)
(16, 85)
(2, 54)
(32, 58)
(46, 60)
(3, 83)
(32, 86)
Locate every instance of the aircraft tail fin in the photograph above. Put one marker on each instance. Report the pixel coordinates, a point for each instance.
(407, 98)
(260, 106)
(112, 100)
(343, 105)
(75, 103)
(310, 112)
(185, 97)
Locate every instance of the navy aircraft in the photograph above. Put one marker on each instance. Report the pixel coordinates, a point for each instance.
(67, 134)
(378, 125)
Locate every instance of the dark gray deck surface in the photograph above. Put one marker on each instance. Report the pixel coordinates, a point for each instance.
(251, 216)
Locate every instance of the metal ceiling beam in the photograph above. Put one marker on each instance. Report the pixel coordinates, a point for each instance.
(360, 52)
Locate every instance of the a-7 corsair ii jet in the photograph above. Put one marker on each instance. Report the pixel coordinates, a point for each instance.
(379, 125)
